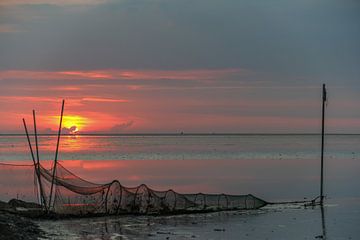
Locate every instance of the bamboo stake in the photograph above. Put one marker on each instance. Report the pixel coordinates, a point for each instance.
(43, 200)
(36, 139)
(28, 138)
(56, 153)
(32, 153)
(322, 145)
(323, 223)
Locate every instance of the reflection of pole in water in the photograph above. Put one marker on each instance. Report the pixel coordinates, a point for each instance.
(323, 226)
(322, 145)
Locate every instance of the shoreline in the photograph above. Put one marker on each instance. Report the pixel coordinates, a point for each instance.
(15, 227)
(16, 220)
(273, 222)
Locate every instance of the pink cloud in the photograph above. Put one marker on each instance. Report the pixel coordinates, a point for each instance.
(28, 99)
(108, 100)
(71, 101)
(196, 74)
(87, 74)
(9, 28)
(54, 2)
(67, 88)
(122, 126)
(47, 75)
(201, 74)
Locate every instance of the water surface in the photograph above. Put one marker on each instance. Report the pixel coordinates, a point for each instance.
(272, 167)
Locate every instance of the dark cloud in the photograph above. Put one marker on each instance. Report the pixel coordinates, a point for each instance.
(70, 130)
(48, 131)
(121, 127)
(293, 38)
(287, 48)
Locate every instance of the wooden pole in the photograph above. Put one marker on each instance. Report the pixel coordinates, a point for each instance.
(32, 154)
(28, 138)
(37, 166)
(323, 223)
(36, 139)
(56, 153)
(322, 144)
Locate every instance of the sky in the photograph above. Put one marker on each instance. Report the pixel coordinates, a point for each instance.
(169, 66)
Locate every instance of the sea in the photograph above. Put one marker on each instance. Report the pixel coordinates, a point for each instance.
(273, 167)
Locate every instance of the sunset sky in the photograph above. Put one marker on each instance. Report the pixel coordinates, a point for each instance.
(164, 66)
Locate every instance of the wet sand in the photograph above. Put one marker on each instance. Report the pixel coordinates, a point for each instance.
(13, 224)
(15, 227)
(339, 220)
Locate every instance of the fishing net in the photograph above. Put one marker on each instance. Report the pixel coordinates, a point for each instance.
(17, 181)
(76, 196)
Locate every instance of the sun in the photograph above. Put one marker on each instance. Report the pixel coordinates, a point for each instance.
(73, 123)
(73, 130)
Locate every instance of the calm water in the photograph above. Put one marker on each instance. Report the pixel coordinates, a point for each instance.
(273, 167)
(335, 222)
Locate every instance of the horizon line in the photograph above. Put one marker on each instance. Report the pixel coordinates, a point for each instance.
(171, 134)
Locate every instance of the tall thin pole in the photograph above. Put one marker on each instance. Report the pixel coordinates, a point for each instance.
(32, 154)
(36, 139)
(30, 147)
(323, 223)
(56, 152)
(322, 144)
(37, 166)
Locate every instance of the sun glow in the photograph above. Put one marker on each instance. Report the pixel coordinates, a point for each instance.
(73, 123)
(72, 120)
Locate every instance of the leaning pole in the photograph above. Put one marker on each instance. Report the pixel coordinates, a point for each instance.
(56, 154)
(37, 166)
(34, 162)
(322, 144)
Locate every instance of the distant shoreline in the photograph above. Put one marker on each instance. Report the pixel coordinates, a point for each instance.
(183, 134)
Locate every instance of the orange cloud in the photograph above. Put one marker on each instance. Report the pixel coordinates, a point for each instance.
(84, 113)
(88, 74)
(54, 2)
(48, 75)
(28, 99)
(200, 74)
(95, 99)
(83, 120)
(196, 74)
(69, 101)
(66, 88)
(9, 28)
(72, 120)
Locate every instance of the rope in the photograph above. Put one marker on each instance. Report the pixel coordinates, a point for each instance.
(311, 202)
(17, 165)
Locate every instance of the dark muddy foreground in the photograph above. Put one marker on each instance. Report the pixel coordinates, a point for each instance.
(15, 226)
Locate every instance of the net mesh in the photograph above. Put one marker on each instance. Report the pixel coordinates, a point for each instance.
(76, 196)
(17, 181)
